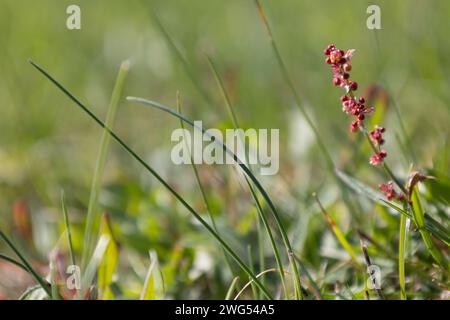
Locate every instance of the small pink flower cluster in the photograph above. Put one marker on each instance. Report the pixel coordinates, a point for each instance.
(340, 66)
(376, 136)
(388, 190)
(351, 105)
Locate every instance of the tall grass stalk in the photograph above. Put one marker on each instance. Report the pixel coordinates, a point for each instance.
(222, 242)
(401, 256)
(67, 226)
(259, 208)
(92, 214)
(14, 261)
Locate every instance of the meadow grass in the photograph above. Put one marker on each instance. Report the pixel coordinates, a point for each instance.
(277, 239)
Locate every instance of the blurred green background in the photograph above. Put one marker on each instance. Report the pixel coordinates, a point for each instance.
(46, 144)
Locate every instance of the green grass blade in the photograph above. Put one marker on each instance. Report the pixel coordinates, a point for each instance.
(92, 215)
(401, 256)
(261, 215)
(338, 233)
(202, 190)
(44, 284)
(54, 277)
(420, 221)
(230, 251)
(13, 261)
(231, 289)
(250, 263)
(67, 225)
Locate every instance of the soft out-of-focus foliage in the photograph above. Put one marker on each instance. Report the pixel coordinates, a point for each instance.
(47, 145)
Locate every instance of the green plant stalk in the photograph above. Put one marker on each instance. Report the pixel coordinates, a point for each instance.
(203, 193)
(259, 209)
(53, 277)
(419, 217)
(13, 261)
(67, 225)
(338, 233)
(401, 256)
(313, 283)
(262, 262)
(231, 289)
(92, 215)
(230, 251)
(250, 263)
(27, 265)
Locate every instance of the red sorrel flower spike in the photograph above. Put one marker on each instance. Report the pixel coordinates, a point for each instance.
(340, 67)
(356, 107)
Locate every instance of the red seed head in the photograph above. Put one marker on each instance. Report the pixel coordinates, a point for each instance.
(353, 86)
(328, 60)
(383, 154)
(336, 81)
(347, 67)
(361, 117)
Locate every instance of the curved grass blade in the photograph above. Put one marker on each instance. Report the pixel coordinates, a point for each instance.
(401, 256)
(222, 242)
(13, 261)
(252, 191)
(202, 190)
(245, 169)
(231, 289)
(44, 284)
(67, 225)
(420, 221)
(29, 291)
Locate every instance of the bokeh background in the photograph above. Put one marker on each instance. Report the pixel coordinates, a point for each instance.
(46, 144)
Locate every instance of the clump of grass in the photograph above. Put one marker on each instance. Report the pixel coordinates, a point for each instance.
(127, 148)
